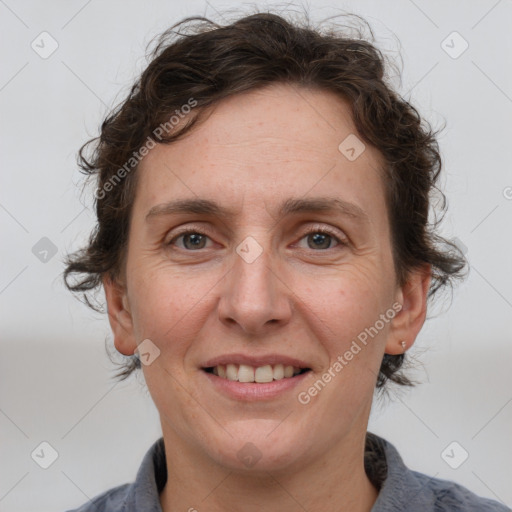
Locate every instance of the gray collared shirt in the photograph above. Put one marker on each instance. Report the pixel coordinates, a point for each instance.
(400, 489)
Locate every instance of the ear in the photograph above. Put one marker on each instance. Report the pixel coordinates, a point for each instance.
(120, 317)
(407, 323)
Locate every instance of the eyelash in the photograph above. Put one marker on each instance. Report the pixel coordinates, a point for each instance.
(323, 231)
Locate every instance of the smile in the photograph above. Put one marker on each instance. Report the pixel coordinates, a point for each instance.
(260, 374)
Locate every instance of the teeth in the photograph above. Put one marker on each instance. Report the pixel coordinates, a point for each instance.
(288, 371)
(261, 374)
(278, 372)
(245, 373)
(264, 374)
(232, 372)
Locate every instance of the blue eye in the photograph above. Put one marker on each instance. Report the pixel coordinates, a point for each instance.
(317, 239)
(192, 240)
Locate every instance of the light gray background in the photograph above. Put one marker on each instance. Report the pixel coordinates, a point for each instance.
(56, 381)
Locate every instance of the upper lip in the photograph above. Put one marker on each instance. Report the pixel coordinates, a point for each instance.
(255, 361)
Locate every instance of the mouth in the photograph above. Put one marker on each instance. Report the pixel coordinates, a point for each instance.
(255, 374)
(250, 377)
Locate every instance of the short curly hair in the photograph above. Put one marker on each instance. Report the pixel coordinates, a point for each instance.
(210, 62)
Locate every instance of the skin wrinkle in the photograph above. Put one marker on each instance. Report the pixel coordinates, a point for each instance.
(303, 304)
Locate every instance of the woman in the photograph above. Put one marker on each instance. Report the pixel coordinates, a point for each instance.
(264, 247)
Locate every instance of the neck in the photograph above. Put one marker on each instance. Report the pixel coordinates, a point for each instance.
(334, 482)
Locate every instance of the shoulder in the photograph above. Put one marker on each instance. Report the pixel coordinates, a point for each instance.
(113, 500)
(140, 495)
(401, 489)
(445, 495)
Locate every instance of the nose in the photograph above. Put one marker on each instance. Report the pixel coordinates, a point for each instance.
(254, 297)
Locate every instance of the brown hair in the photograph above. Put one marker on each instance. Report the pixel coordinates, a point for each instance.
(210, 62)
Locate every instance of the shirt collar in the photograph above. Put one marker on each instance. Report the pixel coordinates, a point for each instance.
(144, 494)
(400, 489)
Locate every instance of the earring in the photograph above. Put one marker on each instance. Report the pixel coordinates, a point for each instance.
(404, 344)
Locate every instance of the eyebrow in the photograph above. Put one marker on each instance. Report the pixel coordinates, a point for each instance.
(290, 206)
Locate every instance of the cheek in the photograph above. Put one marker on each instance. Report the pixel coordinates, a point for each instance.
(349, 301)
(347, 320)
(162, 308)
(173, 308)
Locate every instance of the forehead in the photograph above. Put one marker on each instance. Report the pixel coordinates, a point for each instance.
(261, 145)
(289, 117)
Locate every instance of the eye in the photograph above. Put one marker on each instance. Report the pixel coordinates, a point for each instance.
(321, 239)
(317, 239)
(191, 240)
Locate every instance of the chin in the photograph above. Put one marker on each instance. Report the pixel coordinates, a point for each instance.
(260, 445)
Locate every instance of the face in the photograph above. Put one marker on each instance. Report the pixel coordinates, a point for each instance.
(256, 242)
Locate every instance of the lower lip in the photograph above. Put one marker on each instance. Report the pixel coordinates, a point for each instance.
(254, 390)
